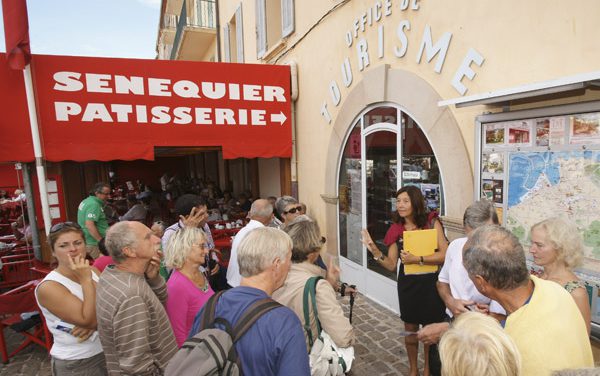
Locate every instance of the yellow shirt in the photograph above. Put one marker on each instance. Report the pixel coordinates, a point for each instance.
(550, 331)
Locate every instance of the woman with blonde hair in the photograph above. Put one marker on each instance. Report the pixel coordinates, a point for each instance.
(188, 287)
(556, 245)
(477, 345)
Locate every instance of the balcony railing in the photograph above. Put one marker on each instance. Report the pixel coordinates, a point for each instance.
(169, 21)
(194, 13)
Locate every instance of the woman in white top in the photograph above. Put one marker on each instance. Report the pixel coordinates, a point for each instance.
(67, 298)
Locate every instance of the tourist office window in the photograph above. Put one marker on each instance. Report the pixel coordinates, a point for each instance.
(543, 163)
(384, 150)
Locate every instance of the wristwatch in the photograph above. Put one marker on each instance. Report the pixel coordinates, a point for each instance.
(421, 261)
(379, 258)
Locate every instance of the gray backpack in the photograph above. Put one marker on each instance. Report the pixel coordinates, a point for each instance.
(212, 350)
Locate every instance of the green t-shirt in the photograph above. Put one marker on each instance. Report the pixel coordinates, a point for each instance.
(90, 209)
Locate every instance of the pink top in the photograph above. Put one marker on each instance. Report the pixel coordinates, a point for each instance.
(102, 262)
(184, 301)
(396, 230)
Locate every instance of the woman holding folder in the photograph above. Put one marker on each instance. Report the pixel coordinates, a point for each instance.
(420, 303)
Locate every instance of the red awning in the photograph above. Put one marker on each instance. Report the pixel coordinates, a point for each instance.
(109, 109)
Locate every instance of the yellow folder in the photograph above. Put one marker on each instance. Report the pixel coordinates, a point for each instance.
(420, 243)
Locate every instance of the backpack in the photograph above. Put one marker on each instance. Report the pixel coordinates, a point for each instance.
(212, 350)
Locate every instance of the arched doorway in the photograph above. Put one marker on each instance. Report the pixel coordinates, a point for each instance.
(384, 150)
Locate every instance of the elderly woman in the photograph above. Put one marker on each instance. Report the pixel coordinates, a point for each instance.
(477, 345)
(288, 209)
(67, 298)
(308, 241)
(188, 288)
(556, 245)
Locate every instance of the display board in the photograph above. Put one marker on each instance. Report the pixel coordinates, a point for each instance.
(544, 163)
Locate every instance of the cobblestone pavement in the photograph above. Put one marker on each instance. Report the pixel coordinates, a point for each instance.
(379, 350)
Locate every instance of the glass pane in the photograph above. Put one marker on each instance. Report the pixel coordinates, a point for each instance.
(381, 115)
(381, 163)
(419, 165)
(350, 199)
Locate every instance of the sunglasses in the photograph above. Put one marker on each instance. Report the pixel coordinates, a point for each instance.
(59, 226)
(293, 210)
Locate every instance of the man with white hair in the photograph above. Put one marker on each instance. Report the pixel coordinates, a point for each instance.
(133, 325)
(261, 214)
(275, 344)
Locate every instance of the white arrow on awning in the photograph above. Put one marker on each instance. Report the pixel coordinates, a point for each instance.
(278, 118)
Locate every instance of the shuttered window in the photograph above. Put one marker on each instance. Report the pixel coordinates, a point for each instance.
(287, 17)
(239, 38)
(226, 44)
(261, 28)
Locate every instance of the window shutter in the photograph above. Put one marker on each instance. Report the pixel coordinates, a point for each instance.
(287, 17)
(226, 43)
(239, 37)
(261, 28)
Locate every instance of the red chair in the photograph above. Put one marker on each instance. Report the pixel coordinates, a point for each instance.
(17, 273)
(12, 304)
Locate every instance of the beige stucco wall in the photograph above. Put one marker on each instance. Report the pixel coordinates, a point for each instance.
(522, 42)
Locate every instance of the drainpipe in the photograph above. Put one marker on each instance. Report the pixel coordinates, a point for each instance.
(294, 97)
(218, 31)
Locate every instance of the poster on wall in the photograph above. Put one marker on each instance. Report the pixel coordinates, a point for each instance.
(585, 128)
(548, 184)
(493, 190)
(494, 134)
(519, 133)
(492, 163)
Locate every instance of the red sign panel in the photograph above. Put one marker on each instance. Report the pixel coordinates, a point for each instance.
(108, 109)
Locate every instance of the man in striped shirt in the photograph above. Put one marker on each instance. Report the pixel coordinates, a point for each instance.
(134, 328)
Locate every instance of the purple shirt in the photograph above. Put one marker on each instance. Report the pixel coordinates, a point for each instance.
(184, 301)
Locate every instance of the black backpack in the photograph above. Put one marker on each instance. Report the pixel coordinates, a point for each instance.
(212, 350)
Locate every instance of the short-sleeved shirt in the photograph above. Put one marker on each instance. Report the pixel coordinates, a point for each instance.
(90, 209)
(274, 345)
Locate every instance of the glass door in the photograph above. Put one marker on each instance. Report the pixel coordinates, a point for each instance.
(385, 149)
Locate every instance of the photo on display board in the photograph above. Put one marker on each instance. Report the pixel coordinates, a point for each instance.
(519, 132)
(585, 128)
(494, 134)
(542, 132)
(492, 163)
(431, 193)
(493, 190)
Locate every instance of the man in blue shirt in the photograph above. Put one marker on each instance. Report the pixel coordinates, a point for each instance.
(275, 344)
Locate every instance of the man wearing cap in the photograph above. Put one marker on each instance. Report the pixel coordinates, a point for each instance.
(91, 218)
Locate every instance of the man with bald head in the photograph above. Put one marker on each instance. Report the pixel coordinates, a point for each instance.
(261, 214)
(134, 328)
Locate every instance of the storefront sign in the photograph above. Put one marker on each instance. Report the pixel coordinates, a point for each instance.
(430, 47)
(105, 109)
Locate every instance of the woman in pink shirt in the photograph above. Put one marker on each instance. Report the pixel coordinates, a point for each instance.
(188, 287)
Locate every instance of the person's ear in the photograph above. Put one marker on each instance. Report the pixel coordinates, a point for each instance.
(129, 252)
(481, 284)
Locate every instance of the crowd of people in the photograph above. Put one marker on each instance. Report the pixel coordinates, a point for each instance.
(483, 313)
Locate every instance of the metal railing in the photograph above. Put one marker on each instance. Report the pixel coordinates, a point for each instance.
(201, 14)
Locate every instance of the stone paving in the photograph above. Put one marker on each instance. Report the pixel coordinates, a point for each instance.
(379, 350)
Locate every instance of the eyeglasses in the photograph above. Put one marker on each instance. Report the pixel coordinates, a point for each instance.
(59, 226)
(293, 210)
(203, 245)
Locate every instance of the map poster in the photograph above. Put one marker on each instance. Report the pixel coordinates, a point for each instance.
(493, 163)
(549, 184)
(519, 132)
(585, 128)
(494, 134)
(557, 131)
